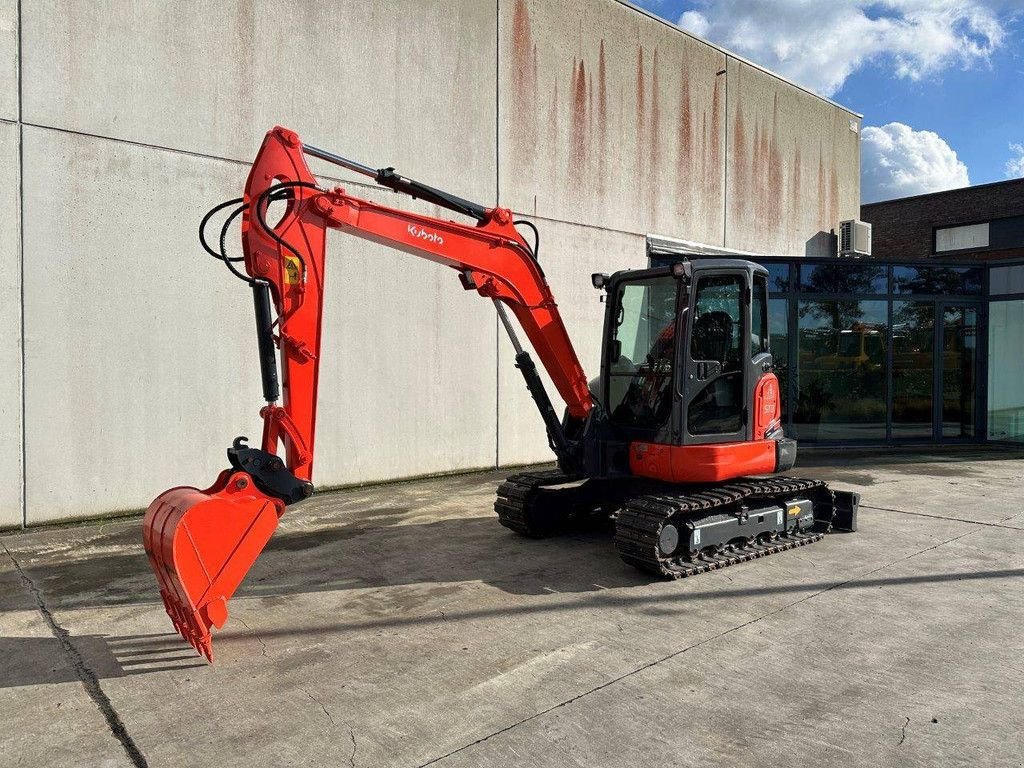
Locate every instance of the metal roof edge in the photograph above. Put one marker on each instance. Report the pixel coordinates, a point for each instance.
(662, 245)
(954, 190)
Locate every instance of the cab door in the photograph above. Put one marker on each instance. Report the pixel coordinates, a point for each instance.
(718, 363)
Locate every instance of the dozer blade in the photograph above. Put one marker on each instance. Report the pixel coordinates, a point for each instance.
(201, 543)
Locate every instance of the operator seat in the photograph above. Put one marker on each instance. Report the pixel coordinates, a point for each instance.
(712, 337)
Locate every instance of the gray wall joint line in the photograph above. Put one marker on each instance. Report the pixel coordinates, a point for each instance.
(497, 201)
(23, 437)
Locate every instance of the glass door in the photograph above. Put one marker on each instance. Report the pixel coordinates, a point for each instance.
(913, 370)
(956, 371)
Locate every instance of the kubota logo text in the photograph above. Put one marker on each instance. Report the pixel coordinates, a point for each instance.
(423, 234)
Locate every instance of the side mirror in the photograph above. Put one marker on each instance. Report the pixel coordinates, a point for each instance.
(683, 269)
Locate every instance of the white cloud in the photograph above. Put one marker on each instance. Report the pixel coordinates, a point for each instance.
(1015, 165)
(820, 44)
(897, 161)
(696, 22)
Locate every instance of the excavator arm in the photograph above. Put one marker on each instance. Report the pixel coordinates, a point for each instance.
(201, 543)
(492, 258)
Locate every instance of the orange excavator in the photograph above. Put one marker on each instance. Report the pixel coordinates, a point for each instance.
(678, 441)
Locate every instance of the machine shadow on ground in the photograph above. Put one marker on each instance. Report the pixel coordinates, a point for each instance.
(353, 556)
(674, 603)
(39, 660)
(30, 661)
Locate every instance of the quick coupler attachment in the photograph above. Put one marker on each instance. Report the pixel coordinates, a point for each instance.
(268, 472)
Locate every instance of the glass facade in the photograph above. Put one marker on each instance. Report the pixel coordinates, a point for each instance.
(1006, 370)
(959, 390)
(778, 329)
(842, 369)
(913, 368)
(868, 352)
(873, 353)
(937, 281)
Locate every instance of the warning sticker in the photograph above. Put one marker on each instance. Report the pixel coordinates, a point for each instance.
(292, 270)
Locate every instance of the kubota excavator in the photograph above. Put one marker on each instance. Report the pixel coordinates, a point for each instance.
(668, 442)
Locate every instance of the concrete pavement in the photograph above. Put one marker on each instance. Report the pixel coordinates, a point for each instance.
(400, 625)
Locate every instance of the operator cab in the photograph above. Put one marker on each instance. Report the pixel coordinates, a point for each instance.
(687, 360)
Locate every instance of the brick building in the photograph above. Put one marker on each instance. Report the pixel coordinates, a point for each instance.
(982, 223)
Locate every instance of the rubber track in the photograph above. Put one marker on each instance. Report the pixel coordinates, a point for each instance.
(639, 523)
(517, 495)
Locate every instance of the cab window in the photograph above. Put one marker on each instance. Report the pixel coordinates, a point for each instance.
(759, 317)
(716, 349)
(642, 353)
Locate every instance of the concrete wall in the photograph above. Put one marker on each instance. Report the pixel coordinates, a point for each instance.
(596, 120)
(10, 321)
(793, 167)
(8, 60)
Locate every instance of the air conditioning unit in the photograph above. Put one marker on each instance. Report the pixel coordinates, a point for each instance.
(854, 238)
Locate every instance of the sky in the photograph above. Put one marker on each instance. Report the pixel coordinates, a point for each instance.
(940, 82)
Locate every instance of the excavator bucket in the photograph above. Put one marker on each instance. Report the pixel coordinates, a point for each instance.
(201, 543)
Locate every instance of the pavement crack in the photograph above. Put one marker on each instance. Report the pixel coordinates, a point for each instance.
(352, 738)
(698, 644)
(90, 681)
(903, 733)
(321, 705)
(946, 517)
(263, 645)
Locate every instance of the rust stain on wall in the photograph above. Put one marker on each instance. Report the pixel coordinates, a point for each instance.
(833, 197)
(641, 114)
(578, 153)
(653, 182)
(524, 83)
(684, 141)
(759, 173)
(776, 191)
(713, 179)
(822, 202)
(553, 131)
(602, 119)
(707, 169)
(795, 184)
(738, 190)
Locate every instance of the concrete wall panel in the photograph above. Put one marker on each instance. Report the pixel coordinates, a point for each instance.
(138, 361)
(10, 340)
(570, 254)
(793, 167)
(408, 368)
(610, 118)
(141, 362)
(8, 59)
(407, 83)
